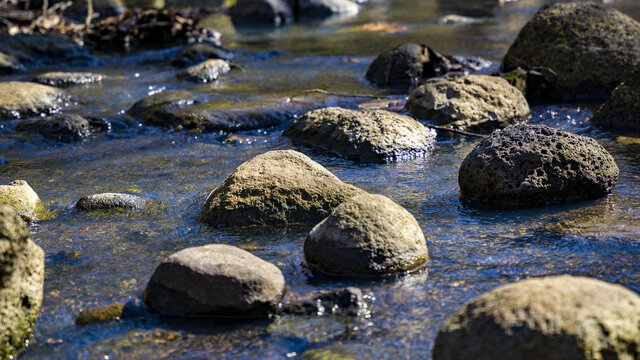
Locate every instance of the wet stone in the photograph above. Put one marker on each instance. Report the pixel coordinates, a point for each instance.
(556, 318)
(348, 301)
(320, 8)
(196, 53)
(215, 281)
(62, 127)
(533, 165)
(621, 111)
(365, 136)
(592, 48)
(21, 51)
(367, 235)
(206, 71)
(66, 79)
(265, 12)
(276, 188)
(111, 201)
(21, 198)
(19, 99)
(100, 314)
(477, 103)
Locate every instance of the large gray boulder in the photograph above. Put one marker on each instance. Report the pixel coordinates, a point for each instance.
(19, 99)
(62, 127)
(530, 165)
(21, 198)
(367, 235)
(477, 103)
(265, 12)
(365, 136)
(592, 48)
(21, 282)
(106, 201)
(553, 318)
(275, 188)
(215, 281)
(622, 110)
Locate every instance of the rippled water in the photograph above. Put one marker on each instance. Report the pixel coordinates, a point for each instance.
(95, 259)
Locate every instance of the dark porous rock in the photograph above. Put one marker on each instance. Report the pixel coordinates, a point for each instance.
(622, 111)
(21, 282)
(21, 198)
(275, 188)
(531, 165)
(111, 201)
(181, 109)
(100, 313)
(21, 51)
(206, 71)
(366, 136)
(215, 281)
(266, 12)
(539, 85)
(19, 99)
(65, 79)
(348, 301)
(367, 235)
(320, 8)
(554, 318)
(477, 103)
(62, 127)
(592, 48)
(198, 52)
(406, 65)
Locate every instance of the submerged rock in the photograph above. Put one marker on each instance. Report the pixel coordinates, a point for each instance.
(348, 301)
(592, 48)
(477, 103)
(198, 52)
(367, 235)
(319, 8)
(531, 165)
(206, 71)
(555, 318)
(100, 314)
(275, 188)
(62, 127)
(65, 79)
(21, 198)
(622, 110)
(21, 282)
(252, 12)
(21, 51)
(366, 136)
(18, 99)
(181, 109)
(111, 201)
(404, 66)
(215, 281)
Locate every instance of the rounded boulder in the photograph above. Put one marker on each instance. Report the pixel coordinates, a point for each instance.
(111, 201)
(367, 235)
(365, 136)
(215, 281)
(591, 48)
(276, 188)
(532, 165)
(18, 99)
(553, 318)
(621, 111)
(21, 197)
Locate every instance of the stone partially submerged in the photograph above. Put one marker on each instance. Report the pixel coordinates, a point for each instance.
(592, 48)
(276, 188)
(553, 318)
(19, 99)
(21, 198)
(206, 71)
(365, 136)
(622, 110)
(21, 282)
(531, 165)
(63, 127)
(367, 235)
(215, 281)
(66, 79)
(111, 201)
(476, 103)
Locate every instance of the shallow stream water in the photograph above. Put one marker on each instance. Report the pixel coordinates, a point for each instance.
(102, 258)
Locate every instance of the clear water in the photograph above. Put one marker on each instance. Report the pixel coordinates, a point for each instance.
(100, 259)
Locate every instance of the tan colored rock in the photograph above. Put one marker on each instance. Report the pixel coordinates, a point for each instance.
(275, 188)
(21, 282)
(367, 235)
(365, 136)
(477, 103)
(215, 281)
(18, 99)
(207, 71)
(552, 318)
(21, 197)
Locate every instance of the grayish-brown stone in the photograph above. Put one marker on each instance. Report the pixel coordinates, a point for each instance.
(65, 79)
(18, 99)
(206, 71)
(21, 198)
(111, 201)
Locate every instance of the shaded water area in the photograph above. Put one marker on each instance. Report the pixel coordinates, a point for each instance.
(102, 258)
